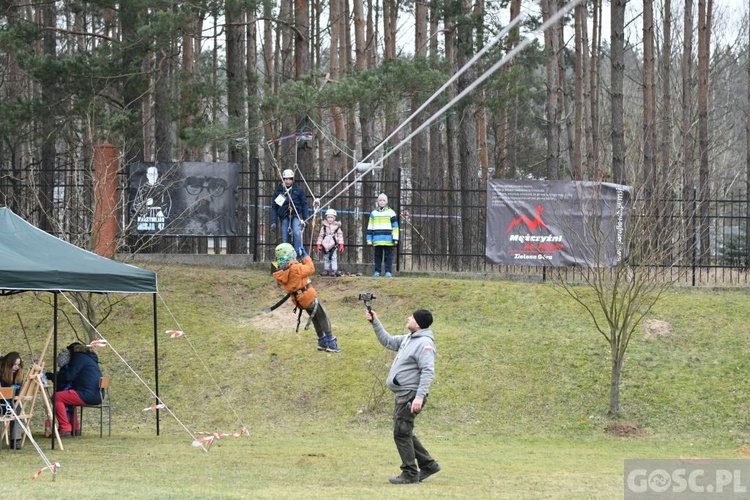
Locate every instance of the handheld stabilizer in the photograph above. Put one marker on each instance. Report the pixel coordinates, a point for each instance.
(367, 298)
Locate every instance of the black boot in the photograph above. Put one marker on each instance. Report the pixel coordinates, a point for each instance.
(15, 444)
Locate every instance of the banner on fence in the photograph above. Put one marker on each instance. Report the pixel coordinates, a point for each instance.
(556, 223)
(183, 198)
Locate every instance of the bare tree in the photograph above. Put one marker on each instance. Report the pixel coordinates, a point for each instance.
(616, 298)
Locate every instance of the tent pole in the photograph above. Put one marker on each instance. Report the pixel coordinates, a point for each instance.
(54, 369)
(156, 362)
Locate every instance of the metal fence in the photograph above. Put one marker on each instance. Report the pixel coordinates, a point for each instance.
(433, 221)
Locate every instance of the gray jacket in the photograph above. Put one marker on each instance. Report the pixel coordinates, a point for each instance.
(414, 366)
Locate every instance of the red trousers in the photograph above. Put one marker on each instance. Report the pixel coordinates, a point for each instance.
(63, 400)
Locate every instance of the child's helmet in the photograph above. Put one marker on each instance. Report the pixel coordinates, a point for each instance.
(331, 211)
(287, 174)
(285, 253)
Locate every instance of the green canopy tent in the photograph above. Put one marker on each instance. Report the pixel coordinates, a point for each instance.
(32, 260)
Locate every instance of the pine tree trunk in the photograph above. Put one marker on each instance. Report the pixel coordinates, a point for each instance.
(552, 128)
(49, 130)
(688, 142)
(704, 191)
(618, 76)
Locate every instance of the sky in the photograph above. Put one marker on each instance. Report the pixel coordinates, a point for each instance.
(728, 14)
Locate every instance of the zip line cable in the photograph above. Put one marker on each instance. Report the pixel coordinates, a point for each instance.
(502, 33)
(460, 72)
(479, 54)
(510, 55)
(434, 96)
(478, 81)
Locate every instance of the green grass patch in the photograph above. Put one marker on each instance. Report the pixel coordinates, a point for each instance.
(518, 408)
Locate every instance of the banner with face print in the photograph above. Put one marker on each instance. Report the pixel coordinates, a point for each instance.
(556, 223)
(183, 198)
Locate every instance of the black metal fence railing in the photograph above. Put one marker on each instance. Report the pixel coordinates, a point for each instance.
(442, 229)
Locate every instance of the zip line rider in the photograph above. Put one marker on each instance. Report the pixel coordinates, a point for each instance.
(294, 276)
(289, 206)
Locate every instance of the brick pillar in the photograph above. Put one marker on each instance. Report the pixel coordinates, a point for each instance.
(104, 232)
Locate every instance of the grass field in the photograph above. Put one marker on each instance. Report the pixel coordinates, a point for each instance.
(518, 408)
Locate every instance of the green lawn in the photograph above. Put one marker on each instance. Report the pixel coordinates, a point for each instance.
(518, 408)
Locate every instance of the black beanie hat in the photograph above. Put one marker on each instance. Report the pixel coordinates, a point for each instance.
(423, 317)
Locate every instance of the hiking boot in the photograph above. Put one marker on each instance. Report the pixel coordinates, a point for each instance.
(426, 472)
(388, 275)
(328, 343)
(332, 345)
(376, 275)
(324, 273)
(401, 479)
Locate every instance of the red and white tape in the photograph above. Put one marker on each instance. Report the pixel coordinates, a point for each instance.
(52, 467)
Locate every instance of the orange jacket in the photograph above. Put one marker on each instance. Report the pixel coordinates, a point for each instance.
(294, 278)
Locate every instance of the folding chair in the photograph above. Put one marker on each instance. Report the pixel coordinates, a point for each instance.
(106, 403)
(6, 417)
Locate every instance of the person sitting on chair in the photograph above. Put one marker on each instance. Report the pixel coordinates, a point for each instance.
(78, 383)
(11, 375)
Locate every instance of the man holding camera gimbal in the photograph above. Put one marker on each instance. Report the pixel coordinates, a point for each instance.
(410, 377)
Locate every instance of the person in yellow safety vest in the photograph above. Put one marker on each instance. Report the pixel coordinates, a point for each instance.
(382, 234)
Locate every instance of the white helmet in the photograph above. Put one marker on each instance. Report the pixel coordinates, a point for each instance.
(331, 211)
(287, 174)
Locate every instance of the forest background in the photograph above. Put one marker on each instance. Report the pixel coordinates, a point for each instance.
(653, 97)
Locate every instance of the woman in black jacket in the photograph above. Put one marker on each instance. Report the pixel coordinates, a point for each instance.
(76, 384)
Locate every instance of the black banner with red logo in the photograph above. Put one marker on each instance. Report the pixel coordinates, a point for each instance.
(556, 223)
(184, 198)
